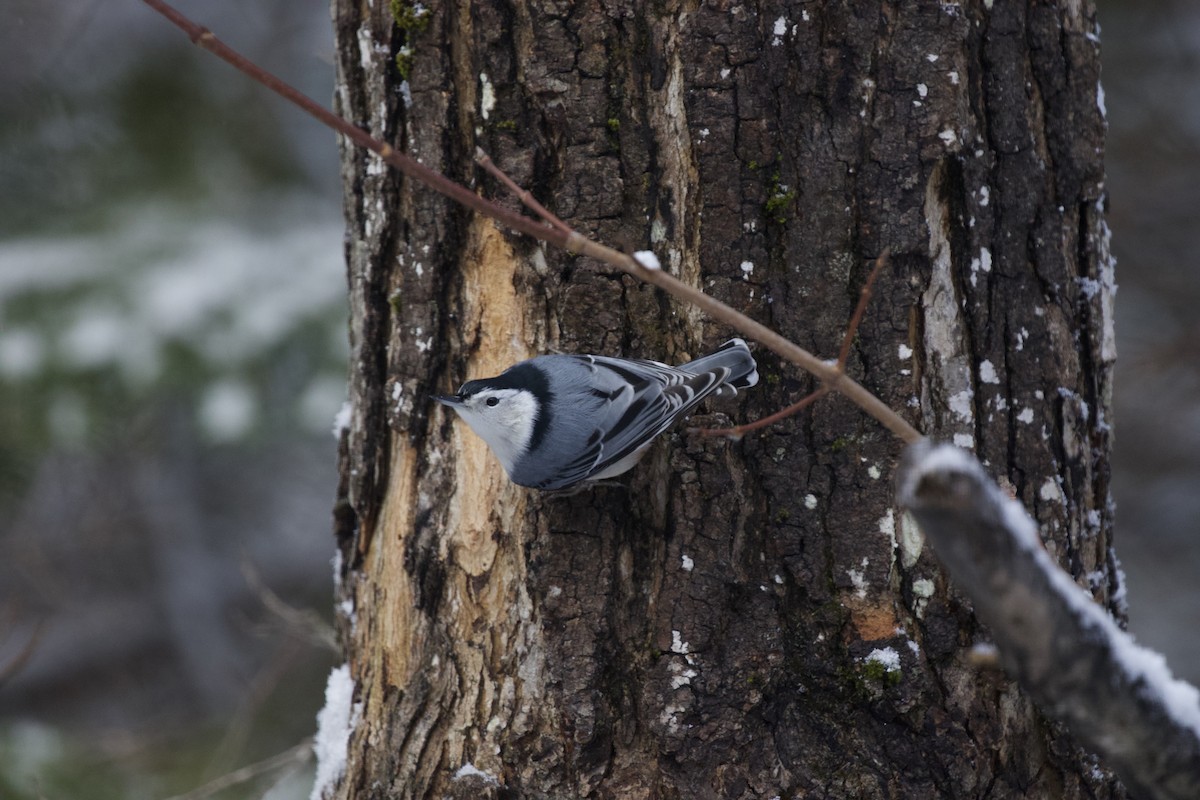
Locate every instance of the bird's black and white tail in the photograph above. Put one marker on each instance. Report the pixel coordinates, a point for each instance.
(735, 356)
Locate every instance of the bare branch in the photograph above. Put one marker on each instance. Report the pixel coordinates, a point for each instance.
(571, 241)
(863, 299)
(1115, 696)
(737, 432)
(524, 195)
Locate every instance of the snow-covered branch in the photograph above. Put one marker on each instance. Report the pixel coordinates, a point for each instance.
(1115, 696)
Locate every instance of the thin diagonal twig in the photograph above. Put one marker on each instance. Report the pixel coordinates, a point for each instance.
(737, 432)
(524, 195)
(860, 309)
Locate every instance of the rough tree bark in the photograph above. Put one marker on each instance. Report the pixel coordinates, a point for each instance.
(724, 627)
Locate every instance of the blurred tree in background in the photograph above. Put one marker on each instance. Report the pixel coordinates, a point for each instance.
(172, 356)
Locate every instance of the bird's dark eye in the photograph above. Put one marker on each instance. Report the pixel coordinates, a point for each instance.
(491, 401)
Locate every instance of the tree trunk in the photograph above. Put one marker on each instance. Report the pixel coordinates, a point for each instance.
(750, 619)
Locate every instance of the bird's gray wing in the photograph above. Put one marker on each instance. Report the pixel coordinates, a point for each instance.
(640, 400)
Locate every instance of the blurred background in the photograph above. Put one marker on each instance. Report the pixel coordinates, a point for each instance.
(172, 357)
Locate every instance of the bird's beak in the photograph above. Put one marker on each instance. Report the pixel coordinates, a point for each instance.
(451, 400)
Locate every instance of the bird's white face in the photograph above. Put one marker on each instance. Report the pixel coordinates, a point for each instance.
(503, 418)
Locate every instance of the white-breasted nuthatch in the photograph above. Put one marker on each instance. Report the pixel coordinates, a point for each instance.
(555, 421)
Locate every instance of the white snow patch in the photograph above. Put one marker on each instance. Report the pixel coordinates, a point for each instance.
(687, 563)
(341, 421)
(375, 165)
(647, 259)
(669, 715)
(922, 89)
(747, 269)
(858, 578)
(904, 352)
(981, 263)
(923, 588)
(1025, 416)
(1085, 411)
(960, 404)
(885, 656)
(985, 255)
(859, 582)
(335, 722)
(964, 440)
(682, 676)
(487, 96)
(931, 58)
(873, 472)
(779, 30)
(985, 195)
(948, 137)
(987, 372)
(366, 50)
(1050, 491)
(810, 501)
(887, 526)
(346, 607)
(469, 770)
(678, 645)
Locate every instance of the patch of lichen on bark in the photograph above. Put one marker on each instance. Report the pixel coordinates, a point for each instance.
(412, 18)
